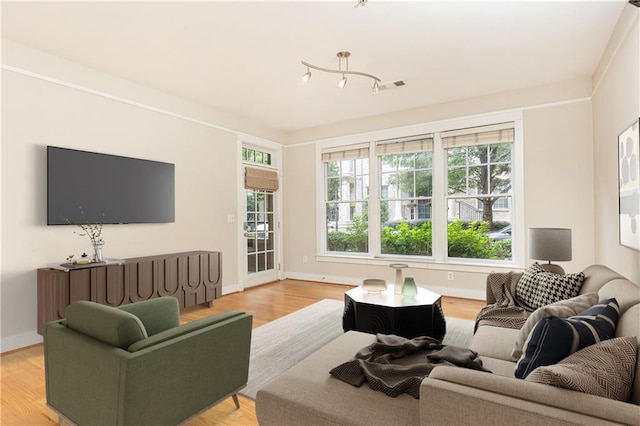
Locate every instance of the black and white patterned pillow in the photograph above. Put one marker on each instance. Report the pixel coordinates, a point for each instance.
(537, 287)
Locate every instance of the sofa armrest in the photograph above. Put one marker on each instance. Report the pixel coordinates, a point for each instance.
(461, 396)
(182, 330)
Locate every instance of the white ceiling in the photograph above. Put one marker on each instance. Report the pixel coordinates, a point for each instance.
(244, 57)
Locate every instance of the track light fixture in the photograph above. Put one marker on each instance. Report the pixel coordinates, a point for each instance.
(341, 55)
(306, 76)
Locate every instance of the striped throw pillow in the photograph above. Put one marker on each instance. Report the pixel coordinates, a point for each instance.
(553, 339)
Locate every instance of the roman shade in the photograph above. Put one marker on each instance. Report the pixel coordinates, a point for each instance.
(346, 153)
(260, 179)
(484, 135)
(405, 145)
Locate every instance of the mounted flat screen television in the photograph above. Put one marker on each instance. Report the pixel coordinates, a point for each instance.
(88, 187)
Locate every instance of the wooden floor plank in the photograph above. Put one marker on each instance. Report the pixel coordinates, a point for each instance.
(22, 371)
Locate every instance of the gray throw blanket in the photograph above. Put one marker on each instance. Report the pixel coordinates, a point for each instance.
(395, 365)
(506, 311)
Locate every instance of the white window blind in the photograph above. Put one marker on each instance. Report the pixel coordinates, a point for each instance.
(498, 133)
(405, 145)
(351, 153)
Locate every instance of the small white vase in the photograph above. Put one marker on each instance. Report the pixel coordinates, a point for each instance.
(97, 251)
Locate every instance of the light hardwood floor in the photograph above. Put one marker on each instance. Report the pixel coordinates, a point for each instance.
(22, 371)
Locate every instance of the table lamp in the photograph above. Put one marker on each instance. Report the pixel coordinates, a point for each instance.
(550, 244)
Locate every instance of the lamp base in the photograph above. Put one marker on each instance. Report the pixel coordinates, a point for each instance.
(550, 267)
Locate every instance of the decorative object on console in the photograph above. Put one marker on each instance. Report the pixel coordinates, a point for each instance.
(409, 288)
(629, 186)
(374, 285)
(398, 283)
(93, 230)
(550, 244)
(341, 55)
(97, 251)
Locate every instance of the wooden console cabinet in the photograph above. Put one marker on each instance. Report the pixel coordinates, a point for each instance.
(194, 278)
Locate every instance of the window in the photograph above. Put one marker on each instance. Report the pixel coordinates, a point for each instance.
(346, 192)
(444, 195)
(478, 190)
(255, 156)
(406, 182)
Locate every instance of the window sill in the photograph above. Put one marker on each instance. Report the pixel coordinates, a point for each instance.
(462, 265)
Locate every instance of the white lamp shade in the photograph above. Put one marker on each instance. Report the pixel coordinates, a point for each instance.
(550, 244)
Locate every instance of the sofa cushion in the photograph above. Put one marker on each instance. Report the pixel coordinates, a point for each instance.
(537, 287)
(157, 315)
(494, 342)
(553, 339)
(105, 323)
(560, 309)
(605, 369)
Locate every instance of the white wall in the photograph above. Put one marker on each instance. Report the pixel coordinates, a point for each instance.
(37, 113)
(616, 104)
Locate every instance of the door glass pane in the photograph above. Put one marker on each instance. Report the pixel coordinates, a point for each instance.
(260, 231)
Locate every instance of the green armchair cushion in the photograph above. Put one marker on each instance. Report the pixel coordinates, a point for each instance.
(109, 325)
(157, 315)
(182, 330)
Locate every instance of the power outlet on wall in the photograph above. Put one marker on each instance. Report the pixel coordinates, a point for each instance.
(450, 276)
(304, 259)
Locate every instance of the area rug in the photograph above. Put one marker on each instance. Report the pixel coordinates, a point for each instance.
(282, 343)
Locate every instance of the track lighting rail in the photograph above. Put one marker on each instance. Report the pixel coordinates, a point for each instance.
(341, 55)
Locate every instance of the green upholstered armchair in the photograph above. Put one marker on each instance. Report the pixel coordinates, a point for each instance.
(136, 365)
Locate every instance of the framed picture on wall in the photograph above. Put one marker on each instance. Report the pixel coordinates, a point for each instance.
(629, 186)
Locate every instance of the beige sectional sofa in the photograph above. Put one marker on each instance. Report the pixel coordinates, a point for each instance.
(307, 394)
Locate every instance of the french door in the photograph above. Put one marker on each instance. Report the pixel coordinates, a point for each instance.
(260, 237)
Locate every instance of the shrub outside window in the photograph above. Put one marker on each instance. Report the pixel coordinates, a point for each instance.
(406, 177)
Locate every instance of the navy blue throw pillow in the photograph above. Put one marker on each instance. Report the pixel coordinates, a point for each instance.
(553, 339)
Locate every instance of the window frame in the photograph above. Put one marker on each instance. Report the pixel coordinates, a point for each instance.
(439, 258)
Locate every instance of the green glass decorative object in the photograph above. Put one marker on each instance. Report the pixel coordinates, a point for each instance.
(409, 288)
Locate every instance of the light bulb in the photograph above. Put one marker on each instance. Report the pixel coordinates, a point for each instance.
(375, 89)
(307, 76)
(343, 82)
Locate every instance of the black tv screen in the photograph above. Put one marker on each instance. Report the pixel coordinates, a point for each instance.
(88, 187)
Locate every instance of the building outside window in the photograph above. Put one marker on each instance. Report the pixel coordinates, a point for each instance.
(346, 191)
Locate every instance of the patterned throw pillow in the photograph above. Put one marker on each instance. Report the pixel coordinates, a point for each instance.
(560, 309)
(605, 369)
(537, 287)
(553, 339)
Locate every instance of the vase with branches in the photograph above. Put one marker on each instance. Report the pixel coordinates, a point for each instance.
(93, 230)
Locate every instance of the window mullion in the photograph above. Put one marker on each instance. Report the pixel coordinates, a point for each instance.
(375, 183)
(439, 200)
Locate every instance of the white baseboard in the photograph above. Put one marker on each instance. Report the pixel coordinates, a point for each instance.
(466, 293)
(332, 279)
(19, 341)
